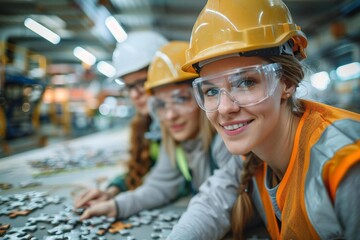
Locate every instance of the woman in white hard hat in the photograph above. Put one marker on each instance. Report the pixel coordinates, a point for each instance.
(189, 149)
(301, 166)
(131, 60)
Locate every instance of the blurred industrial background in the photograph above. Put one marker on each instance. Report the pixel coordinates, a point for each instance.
(48, 94)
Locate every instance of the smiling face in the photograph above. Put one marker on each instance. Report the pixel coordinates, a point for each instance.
(178, 111)
(135, 87)
(244, 129)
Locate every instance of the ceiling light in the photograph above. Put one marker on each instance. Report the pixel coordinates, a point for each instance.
(106, 68)
(320, 80)
(348, 71)
(42, 31)
(116, 30)
(84, 56)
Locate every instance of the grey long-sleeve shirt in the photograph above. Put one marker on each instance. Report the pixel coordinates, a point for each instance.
(208, 214)
(164, 180)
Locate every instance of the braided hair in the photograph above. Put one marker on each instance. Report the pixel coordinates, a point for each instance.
(140, 161)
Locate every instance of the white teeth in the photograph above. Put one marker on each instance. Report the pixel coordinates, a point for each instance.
(234, 126)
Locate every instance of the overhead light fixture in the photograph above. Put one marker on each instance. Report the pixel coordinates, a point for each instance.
(84, 56)
(320, 80)
(42, 31)
(116, 30)
(106, 68)
(348, 71)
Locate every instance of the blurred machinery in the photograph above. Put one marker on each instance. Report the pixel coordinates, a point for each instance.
(22, 85)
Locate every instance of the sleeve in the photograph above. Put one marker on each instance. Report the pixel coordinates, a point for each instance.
(119, 182)
(160, 187)
(347, 204)
(220, 154)
(208, 213)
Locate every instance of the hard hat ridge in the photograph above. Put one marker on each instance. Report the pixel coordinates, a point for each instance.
(246, 27)
(165, 68)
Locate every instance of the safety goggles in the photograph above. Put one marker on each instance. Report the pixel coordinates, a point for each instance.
(178, 101)
(244, 86)
(138, 85)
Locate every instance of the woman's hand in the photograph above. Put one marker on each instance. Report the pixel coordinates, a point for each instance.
(94, 196)
(106, 208)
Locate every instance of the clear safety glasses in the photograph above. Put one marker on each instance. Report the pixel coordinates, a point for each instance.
(179, 101)
(138, 86)
(244, 86)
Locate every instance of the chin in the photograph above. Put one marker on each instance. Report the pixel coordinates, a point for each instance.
(180, 138)
(144, 112)
(235, 147)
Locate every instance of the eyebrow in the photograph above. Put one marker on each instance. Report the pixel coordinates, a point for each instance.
(135, 82)
(207, 82)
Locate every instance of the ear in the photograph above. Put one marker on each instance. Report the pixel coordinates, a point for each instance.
(287, 91)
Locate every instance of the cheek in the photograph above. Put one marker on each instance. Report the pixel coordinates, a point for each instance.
(211, 116)
(194, 119)
(166, 123)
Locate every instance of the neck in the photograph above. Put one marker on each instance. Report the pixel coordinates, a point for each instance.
(276, 151)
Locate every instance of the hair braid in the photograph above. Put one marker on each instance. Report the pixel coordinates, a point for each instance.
(140, 161)
(243, 207)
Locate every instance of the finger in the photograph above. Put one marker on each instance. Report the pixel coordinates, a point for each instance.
(87, 214)
(98, 200)
(88, 196)
(79, 199)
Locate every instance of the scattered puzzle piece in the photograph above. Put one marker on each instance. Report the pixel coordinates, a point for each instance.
(5, 186)
(66, 223)
(118, 226)
(14, 214)
(3, 229)
(30, 183)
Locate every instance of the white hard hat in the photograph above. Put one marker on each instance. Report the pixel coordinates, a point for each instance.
(136, 52)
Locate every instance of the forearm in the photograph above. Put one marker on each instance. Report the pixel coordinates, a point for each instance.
(119, 183)
(208, 214)
(112, 191)
(159, 187)
(146, 196)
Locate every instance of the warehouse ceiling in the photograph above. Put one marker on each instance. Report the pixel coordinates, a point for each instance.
(81, 22)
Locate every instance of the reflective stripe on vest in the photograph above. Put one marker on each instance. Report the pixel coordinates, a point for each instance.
(182, 163)
(318, 203)
(154, 150)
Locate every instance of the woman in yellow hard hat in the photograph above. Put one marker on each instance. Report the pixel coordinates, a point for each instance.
(189, 150)
(131, 59)
(300, 170)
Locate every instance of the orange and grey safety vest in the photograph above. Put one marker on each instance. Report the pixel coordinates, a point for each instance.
(326, 146)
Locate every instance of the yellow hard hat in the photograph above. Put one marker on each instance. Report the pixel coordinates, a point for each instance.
(165, 67)
(244, 26)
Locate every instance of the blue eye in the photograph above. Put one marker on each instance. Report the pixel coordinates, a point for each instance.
(212, 92)
(181, 99)
(160, 104)
(241, 83)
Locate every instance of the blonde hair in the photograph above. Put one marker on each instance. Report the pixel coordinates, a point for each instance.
(206, 133)
(242, 211)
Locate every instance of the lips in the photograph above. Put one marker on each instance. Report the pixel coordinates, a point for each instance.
(235, 126)
(177, 127)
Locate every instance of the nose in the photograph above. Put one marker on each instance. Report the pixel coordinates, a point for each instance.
(227, 103)
(170, 113)
(134, 93)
